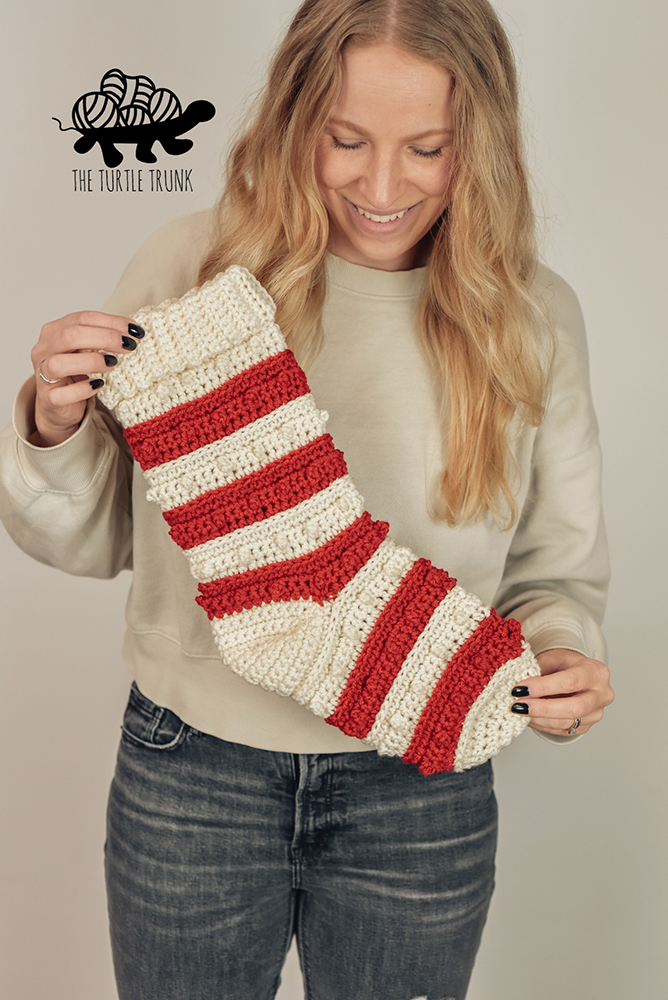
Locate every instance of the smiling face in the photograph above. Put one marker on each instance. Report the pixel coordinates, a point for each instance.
(383, 160)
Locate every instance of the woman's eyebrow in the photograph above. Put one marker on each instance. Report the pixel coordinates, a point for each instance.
(343, 122)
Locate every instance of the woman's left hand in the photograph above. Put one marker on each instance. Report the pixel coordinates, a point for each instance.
(571, 686)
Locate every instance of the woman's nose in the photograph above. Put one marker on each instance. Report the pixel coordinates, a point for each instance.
(383, 181)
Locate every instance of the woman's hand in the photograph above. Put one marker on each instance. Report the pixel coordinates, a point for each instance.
(69, 351)
(571, 686)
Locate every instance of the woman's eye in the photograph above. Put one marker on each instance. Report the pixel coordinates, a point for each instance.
(428, 154)
(345, 145)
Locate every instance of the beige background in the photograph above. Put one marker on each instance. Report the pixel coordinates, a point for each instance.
(580, 904)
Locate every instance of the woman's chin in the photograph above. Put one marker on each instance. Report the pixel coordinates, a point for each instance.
(378, 253)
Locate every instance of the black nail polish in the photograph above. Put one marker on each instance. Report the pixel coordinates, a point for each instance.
(110, 360)
(128, 343)
(519, 708)
(96, 383)
(521, 691)
(136, 331)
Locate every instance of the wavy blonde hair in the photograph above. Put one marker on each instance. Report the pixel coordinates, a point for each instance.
(477, 315)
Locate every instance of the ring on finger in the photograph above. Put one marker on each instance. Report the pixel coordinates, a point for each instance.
(574, 728)
(51, 381)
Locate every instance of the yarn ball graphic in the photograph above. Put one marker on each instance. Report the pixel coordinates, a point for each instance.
(94, 110)
(124, 100)
(127, 90)
(163, 105)
(139, 91)
(134, 114)
(114, 83)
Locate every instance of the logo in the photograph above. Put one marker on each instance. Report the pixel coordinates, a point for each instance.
(132, 110)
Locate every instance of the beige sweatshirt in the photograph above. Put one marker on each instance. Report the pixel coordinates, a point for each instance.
(81, 505)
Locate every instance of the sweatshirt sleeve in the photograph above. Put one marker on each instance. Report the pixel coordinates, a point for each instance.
(557, 571)
(70, 506)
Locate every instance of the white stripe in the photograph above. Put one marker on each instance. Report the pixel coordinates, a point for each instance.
(453, 621)
(288, 535)
(247, 450)
(354, 614)
(489, 725)
(305, 650)
(273, 640)
(195, 382)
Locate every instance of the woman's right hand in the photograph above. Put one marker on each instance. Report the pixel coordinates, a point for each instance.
(69, 351)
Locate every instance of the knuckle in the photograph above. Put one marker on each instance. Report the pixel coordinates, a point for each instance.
(602, 672)
(41, 349)
(84, 318)
(571, 680)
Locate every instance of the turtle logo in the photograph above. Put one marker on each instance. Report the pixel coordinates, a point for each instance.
(131, 109)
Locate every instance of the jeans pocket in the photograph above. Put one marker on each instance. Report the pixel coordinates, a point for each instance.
(149, 725)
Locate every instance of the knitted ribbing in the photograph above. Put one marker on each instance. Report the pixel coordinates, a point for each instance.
(307, 595)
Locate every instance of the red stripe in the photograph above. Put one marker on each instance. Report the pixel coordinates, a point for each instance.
(238, 402)
(319, 575)
(277, 487)
(396, 631)
(437, 733)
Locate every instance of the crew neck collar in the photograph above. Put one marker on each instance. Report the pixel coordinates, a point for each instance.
(369, 281)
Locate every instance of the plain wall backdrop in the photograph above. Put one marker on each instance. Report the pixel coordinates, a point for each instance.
(580, 900)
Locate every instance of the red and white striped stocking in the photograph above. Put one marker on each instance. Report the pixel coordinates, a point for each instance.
(307, 595)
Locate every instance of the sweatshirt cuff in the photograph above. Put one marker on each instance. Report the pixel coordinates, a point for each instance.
(556, 635)
(67, 467)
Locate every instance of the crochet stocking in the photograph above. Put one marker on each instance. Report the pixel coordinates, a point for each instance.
(306, 594)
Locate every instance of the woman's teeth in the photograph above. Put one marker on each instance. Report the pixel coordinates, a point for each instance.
(381, 218)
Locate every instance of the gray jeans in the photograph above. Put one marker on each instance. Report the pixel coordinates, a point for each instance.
(217, 853)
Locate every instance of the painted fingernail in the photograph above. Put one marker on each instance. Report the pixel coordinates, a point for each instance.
(96, 383)
(128, 343)
(110, 360)
(521, 691)
(520, 708)
(136, 331)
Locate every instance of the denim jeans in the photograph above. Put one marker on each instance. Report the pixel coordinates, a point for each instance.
(217, 853)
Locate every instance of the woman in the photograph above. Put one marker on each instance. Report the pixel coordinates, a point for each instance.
(380, 196)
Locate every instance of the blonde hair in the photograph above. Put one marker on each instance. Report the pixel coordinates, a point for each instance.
(477, 315)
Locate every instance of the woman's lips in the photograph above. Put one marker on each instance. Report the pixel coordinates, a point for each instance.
(367, 225)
